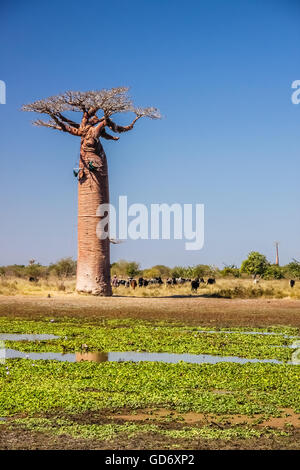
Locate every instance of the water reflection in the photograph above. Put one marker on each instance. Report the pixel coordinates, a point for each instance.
(92, 356)
(25, 337)
(263, 333)
(133, 356)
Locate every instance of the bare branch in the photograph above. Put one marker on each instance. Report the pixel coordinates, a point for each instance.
(152, 113)
(116, 128)
(50, 123)
(69, 121)
(115, 100)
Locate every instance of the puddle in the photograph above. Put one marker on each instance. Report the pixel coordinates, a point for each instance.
(25, 337)
(136, 357)
(263, 333)
(34, 356)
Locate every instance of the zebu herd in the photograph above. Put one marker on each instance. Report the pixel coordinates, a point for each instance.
(142, 282)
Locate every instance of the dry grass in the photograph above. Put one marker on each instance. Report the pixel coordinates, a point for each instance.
(19, 286)
(224, 288)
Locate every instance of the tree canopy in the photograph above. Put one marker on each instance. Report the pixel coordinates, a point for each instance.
(256, 263)
(112, 101)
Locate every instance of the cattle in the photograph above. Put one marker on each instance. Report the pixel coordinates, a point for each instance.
(141, 282)
(292, 283)
(195, 285)
(133, 283)
(182, 280)
(210, 281)
(156, 280)
(33, 279)
(145, 282)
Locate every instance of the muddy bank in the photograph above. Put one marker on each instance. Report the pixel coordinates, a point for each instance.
(191, 310)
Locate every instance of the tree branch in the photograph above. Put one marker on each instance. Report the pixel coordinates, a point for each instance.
(115, 100)
(69, 121)
(107, 136)
(53, 125)
(116, 128)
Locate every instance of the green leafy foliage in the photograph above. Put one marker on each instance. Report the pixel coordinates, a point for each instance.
(65, 267)
(293, 269)
(75, 387)
(274, 272)
(231, 270)
(256, 263)
(141, 336)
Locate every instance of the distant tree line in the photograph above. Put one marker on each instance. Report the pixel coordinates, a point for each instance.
(256, 264)
(64, 268)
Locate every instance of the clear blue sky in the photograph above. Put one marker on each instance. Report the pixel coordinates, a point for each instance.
(221, 73)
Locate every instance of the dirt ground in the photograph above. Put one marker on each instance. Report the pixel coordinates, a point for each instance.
(28, 440)
(190, 310)
(14, 439)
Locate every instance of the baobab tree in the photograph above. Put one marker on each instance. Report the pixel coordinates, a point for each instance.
(93, 260)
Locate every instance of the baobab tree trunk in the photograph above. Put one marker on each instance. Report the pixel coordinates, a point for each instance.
(93, 260)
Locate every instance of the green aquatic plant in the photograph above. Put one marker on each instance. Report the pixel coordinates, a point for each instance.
(129, 335)
(75, 387)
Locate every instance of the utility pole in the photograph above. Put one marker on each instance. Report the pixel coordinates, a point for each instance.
(277, 253)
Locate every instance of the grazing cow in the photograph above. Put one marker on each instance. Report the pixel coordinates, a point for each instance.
(292, 283)
(195, 285)
(145, 282)
(127, 284)
(141, 282)
(133, 283)
(156, 280)
(210, 281)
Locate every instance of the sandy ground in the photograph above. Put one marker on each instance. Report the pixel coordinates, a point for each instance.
(189, 310)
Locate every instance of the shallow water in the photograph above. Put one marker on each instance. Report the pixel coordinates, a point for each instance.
(133, 356)
(264, 333)
(25, 337)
